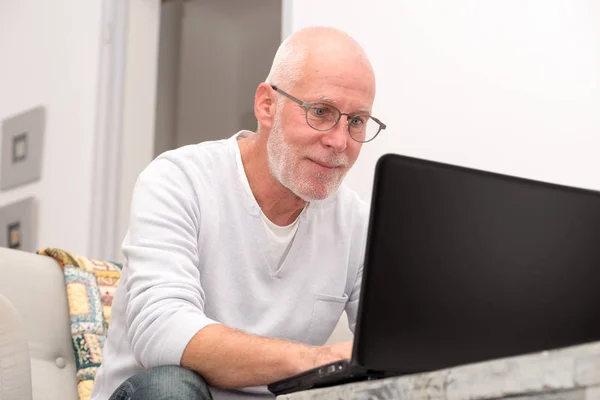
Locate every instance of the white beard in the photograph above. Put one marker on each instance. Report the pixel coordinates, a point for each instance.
(282, 158)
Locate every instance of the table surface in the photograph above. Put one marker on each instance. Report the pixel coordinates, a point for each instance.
(571, 373)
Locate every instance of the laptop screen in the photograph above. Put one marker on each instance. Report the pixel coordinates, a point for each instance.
(465, 266)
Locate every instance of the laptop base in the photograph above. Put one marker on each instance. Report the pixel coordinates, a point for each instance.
(332, 374)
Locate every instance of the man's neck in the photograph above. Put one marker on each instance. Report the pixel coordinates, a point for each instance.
(278, 203)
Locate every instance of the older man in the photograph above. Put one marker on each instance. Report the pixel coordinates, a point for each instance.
(243, 253)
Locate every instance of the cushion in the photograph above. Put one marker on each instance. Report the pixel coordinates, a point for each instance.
(90, 286)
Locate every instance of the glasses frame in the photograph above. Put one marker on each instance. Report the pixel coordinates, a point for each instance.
(307, 106)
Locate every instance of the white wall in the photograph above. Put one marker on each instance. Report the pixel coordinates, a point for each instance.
(511, 86)
(49, 55)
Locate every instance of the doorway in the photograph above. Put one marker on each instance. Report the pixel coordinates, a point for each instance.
(212, 55)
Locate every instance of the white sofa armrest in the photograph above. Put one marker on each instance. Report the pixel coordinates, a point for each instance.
(35, 285)
(15, 368)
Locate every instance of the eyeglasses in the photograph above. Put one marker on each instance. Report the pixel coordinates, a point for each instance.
(323, 116)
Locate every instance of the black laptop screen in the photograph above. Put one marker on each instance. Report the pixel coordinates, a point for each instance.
(464, 266)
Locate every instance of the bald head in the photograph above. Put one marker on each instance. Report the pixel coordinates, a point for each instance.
(326, 68)
(317, 50)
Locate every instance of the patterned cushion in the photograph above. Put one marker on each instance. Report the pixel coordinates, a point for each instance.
(85, 304)
(88, 351)
(84, 388)
(90, 286)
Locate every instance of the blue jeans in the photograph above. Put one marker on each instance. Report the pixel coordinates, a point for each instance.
(161, 383)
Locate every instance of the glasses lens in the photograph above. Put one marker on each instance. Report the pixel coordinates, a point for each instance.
(321, 116)
(363, 128)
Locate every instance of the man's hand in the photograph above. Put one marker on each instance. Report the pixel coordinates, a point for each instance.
(328, 354)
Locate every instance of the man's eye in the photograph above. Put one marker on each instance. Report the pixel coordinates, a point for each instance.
(357, 121)
(320, 111)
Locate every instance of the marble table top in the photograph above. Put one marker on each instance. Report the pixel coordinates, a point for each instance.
(571, 373)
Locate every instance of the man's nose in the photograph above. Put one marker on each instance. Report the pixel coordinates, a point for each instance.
(337, 137)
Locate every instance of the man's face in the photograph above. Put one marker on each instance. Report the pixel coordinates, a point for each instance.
(312, 163)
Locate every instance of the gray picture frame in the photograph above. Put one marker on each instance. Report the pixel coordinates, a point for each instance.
(22, 145)
(18, 225)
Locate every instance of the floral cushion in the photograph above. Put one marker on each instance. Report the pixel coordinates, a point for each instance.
(90, 286)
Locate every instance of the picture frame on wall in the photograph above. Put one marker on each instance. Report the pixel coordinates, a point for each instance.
(22, 138)
(18, 225)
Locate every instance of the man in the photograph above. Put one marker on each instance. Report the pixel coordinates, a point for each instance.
(243, 253)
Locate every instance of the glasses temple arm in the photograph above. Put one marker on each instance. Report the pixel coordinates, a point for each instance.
(289, 96)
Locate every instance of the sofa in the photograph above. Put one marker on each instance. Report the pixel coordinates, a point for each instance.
(54, 314)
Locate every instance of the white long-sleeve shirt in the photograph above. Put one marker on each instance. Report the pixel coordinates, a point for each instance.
(199, 252)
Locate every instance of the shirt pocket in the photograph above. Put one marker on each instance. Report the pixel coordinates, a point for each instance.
(327, 310)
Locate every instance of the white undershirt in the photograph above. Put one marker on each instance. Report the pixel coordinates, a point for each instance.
(280, 237)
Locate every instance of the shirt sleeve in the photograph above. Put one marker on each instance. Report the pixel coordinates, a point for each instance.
(352, 304)
(165, 298)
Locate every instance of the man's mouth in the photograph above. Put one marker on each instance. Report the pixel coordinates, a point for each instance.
(326, 164)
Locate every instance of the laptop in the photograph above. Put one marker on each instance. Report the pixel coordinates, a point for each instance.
(464, 266)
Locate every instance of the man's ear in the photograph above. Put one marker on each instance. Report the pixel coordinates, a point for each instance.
(264, 106)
